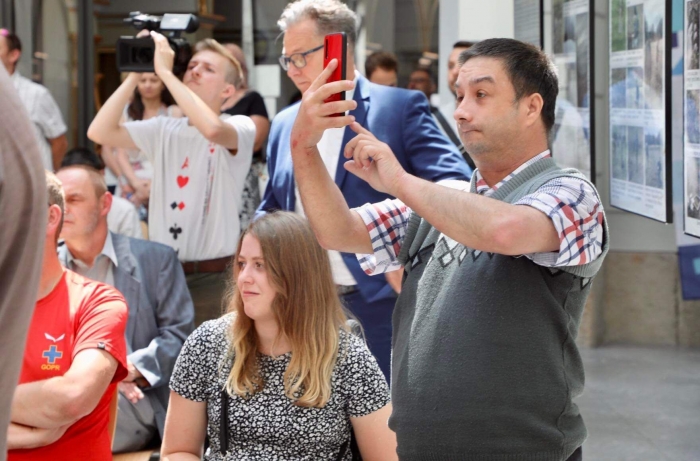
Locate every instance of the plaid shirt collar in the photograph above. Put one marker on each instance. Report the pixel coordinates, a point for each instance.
(483, 189)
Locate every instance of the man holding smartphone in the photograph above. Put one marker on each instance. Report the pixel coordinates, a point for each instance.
(399, 117)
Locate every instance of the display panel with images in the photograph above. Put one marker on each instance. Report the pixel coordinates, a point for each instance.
(691, 109)
(567, 33)
(640, 125)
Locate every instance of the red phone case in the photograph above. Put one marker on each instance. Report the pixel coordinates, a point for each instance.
(336, 47)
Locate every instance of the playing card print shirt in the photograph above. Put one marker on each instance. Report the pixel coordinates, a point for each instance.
(197, 186)
(77, 315)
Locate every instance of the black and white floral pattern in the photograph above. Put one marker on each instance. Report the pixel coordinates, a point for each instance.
(268, 426)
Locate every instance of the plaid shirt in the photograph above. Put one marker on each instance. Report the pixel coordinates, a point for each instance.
(571, 204)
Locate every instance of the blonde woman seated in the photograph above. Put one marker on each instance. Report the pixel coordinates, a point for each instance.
(295, 379)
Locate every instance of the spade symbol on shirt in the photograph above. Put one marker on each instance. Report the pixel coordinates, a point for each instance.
(175, 230)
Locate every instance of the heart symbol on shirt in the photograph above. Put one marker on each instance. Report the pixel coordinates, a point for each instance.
(211, 150)
(181, 205)
(182, 181)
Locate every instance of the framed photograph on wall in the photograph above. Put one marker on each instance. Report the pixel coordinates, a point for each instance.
(640, 107)
(691, 111)
(567, 38)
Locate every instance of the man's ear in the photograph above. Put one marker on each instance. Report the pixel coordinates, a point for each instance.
(14, 56)
(228, 91)
(55, 218)
(106, 203)
(534, 105)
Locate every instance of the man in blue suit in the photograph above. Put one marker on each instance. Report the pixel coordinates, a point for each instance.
(398, 117)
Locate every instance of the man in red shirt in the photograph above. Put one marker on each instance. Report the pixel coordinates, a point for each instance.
(74, 358)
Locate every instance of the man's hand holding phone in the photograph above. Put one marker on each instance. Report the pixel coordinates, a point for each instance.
(316, 115)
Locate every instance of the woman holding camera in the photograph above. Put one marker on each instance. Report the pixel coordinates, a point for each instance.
(280, 376)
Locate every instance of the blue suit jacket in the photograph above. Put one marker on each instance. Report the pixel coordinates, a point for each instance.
(402, 119)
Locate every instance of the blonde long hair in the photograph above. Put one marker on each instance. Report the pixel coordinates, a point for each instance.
(307, 309)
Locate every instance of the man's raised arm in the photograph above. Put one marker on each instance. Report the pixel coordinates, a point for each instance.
(206, 120)
(335, 225)
(105, 127)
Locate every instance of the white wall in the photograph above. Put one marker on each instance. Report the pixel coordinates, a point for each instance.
(471, 20)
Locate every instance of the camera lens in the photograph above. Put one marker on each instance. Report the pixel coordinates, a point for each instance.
(142, 55)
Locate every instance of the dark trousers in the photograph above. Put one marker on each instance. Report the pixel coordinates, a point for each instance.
(576, 456)
(207, 291)
(376, 322)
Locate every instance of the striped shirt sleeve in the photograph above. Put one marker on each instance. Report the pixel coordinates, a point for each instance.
(577, 214)
(386, 224)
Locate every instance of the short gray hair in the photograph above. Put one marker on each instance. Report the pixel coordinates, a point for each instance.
(330, 16)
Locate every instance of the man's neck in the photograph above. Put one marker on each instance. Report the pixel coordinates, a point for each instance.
(86, 250)
(51, 270)
(505, 163)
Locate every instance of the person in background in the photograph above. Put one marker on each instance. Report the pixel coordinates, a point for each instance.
(23, 210)
(123, 218)
(49, 129)
(399, 117)
(201, 161)
(382, 68)
(448, 103)
(74, 357)
(151, 99)
(453, 68)
(249, 102)
(421, 79)
(148, 274)
(280, 376)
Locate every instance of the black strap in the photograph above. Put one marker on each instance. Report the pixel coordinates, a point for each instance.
(343, 450)
(449, 131)
(223, 425)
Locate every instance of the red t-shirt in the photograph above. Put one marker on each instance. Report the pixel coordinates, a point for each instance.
(78, 314)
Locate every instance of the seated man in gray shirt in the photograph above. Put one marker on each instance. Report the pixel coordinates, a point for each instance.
(151, 279)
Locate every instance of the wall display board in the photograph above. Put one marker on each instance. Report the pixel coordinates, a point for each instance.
(691, 109)
(527, 19)
(640, 107)
(568, 32)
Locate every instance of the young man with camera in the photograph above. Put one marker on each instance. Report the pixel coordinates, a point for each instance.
(200, 164)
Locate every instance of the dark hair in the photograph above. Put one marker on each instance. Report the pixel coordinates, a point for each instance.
(529, 69)
(463, 44)
(82, 156)
(383, 59)
(426, 70)
(136, 108)
(13, 41)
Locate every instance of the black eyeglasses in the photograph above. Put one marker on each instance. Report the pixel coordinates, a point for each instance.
(298, 59)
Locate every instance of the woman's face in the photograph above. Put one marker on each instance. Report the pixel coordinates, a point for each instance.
(150, 86)
(253, 282)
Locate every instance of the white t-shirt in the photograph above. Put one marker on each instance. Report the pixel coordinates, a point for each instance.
(124, 219)
(43, 112)
(197, 185)
(329, 148)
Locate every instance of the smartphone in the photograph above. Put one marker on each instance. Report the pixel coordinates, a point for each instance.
(336, 47)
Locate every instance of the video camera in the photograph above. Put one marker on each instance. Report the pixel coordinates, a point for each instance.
(136, 54)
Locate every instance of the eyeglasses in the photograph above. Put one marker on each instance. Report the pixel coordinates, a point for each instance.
(298, 59)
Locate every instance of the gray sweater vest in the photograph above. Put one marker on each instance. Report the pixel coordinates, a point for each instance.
(485, 364)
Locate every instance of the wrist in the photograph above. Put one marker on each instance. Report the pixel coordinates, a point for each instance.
(403, 183)
(167, 76)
